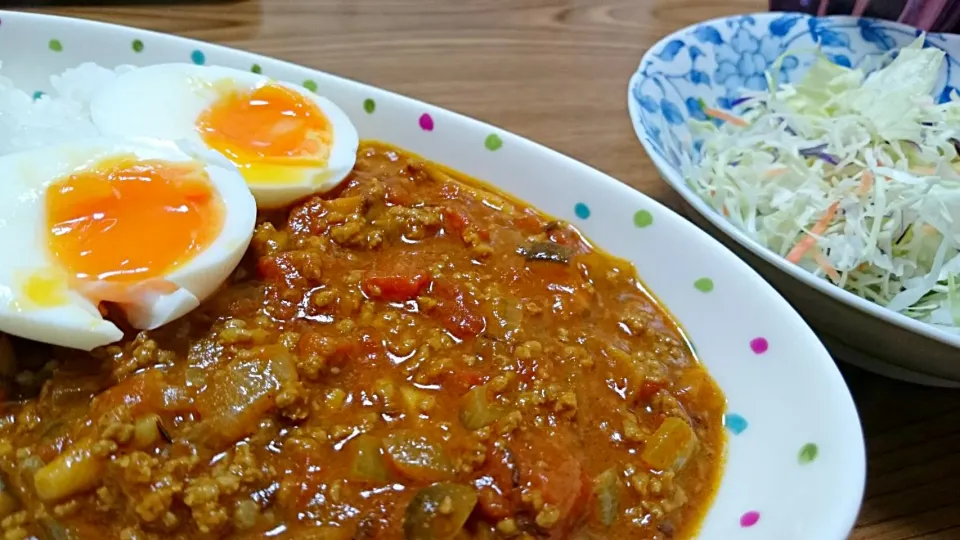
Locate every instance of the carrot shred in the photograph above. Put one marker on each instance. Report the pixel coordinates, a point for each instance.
(824, 263)
(866, 183)
(810, 239)
(775, 172)
(722, 115)
(725, 116)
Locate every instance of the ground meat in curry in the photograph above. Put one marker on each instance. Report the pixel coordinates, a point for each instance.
(413, 356)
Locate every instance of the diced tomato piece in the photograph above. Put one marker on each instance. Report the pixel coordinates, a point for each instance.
(495, 489)
(470, 377)
(529, 223)
(395, 287)
(279, 307)
(455, 220)
(336, 351)
(312, 343)
(464, 378)
(650, 388)
(306, 218)
(552, 469)
(457, 310)
(311, 216)
(493, 504)
(269, 267)
(296, 269)
(397, 195)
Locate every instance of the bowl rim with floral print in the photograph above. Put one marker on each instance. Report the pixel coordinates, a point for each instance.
(714, 62)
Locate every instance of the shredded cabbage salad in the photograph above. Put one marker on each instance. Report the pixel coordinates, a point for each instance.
(853, 177)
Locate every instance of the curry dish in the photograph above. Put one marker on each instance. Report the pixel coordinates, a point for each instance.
(413, 356)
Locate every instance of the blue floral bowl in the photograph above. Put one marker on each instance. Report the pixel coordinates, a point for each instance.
(715, 62)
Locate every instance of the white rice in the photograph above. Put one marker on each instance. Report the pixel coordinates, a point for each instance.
(60, 116)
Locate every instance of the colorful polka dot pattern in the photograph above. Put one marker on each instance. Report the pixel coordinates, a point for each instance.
(808, 453)
(735, 423)
(642, 219)
(749, 519)
(426, 122)
(703, 285)
(759, 345)
(581, 210)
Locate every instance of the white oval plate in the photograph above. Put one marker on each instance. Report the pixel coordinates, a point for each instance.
(795, 466)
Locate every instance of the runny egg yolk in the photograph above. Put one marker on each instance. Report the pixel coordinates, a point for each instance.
(268, 126)
(126, 220)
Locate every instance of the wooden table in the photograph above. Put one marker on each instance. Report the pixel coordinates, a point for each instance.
(556, 71)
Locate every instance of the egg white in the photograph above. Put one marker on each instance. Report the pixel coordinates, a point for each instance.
(164, 101)
(71, 319)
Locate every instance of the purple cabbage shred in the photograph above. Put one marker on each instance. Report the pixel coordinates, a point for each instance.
(818, 152)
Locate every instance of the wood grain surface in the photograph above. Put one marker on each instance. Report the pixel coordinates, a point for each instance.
(556, 71)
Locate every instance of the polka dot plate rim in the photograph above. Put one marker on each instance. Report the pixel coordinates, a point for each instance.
(795, 459)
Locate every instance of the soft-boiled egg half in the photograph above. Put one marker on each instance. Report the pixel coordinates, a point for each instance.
(139, 224)
(286, 141)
